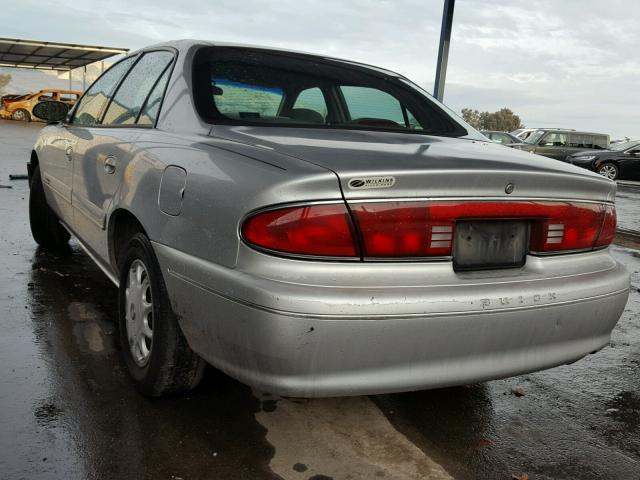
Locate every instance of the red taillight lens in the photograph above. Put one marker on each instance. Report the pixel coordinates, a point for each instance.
(423, 229)
(608, 232)
(426, 229)
(320, 230)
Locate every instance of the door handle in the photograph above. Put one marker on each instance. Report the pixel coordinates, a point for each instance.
(110, 164)
(69, 152)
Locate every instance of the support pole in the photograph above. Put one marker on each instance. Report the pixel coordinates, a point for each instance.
(70, 80)
(84, 78)
(443, 50)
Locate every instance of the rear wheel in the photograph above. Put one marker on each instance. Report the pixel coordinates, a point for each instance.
(608, 170)
(156, 352)
(45, 225)
(21, 115)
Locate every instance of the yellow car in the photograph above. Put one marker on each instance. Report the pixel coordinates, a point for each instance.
(20, 108)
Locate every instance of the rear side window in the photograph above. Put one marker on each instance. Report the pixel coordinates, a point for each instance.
(501, 138)
(600, 142)
(128, 101)
(372, 104)
(94, 100)
(312, 99)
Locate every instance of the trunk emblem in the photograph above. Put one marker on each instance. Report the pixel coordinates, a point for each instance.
(372, 182)
(509, 188)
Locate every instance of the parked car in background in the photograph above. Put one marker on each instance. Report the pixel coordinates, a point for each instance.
(559, 144)
(620, 160)
(502, 138)
(319, 227)
(21, 108)
(6, 99)
(524, 133)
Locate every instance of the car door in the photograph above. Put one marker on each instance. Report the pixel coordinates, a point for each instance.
(56, 169)
(629, 163)
(553, 145)
(79, 134)
(105, 147)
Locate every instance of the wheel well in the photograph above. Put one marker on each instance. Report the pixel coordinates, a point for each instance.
(34, 158)
(31, 166)
(122, 226)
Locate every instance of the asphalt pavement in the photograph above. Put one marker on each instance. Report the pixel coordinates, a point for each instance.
(68, 410)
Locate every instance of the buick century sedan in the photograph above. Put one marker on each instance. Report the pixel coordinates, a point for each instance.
(319, 227)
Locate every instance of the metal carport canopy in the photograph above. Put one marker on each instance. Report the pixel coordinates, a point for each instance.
(19, 53)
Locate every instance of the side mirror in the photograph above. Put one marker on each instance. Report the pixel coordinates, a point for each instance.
(50, 111)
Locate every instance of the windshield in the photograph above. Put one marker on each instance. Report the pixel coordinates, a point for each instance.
(241, 86)
(534, 137)
(619, 147)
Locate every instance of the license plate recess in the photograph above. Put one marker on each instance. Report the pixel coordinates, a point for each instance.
(490, 244)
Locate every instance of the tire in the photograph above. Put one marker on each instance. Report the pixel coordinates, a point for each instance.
(609, 170)
(156, 353)
(45, 225)
(21, 115)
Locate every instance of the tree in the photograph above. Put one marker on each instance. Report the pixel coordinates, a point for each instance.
(5, 79)
(503, 120)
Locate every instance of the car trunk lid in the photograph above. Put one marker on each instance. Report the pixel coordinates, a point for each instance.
(372, 164)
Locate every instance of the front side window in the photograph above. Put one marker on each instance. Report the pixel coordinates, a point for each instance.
(554, 139)
(94, 100)
(241, 86)
(128, 101)
(152, 104)
(533, 137)
(619, 147)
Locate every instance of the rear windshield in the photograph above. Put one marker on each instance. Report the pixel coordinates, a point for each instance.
(242, 86)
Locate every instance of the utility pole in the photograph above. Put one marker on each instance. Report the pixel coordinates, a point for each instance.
(443, 50)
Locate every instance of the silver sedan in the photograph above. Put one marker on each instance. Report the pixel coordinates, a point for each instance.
(317, 227)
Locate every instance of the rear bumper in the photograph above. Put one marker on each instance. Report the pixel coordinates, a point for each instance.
(329, 339)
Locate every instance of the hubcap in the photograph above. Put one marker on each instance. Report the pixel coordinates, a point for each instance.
(608, 171)
(139, 313)
(19, 115)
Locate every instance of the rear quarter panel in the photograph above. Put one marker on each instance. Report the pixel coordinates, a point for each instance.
(222, 186)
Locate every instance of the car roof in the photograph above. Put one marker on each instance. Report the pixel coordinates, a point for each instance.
(571, 130)
(185, 44)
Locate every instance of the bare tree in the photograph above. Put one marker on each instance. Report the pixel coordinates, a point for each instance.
(503, 120)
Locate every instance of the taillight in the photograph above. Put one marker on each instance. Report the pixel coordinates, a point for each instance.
(406, 229)
(608, 232)
(317, 230)
(427, 229)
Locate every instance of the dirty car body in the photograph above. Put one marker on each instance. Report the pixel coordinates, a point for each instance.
(315, 245)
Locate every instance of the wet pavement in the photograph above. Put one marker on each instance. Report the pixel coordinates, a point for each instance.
(627, 202)
(68, 411)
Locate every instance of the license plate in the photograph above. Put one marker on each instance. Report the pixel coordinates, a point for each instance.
(481, 245)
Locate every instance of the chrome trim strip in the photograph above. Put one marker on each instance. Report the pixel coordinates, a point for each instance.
(474, 199)
(332, 316)
(92, 256)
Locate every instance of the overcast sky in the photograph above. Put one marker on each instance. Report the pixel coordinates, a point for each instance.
(565, 63)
